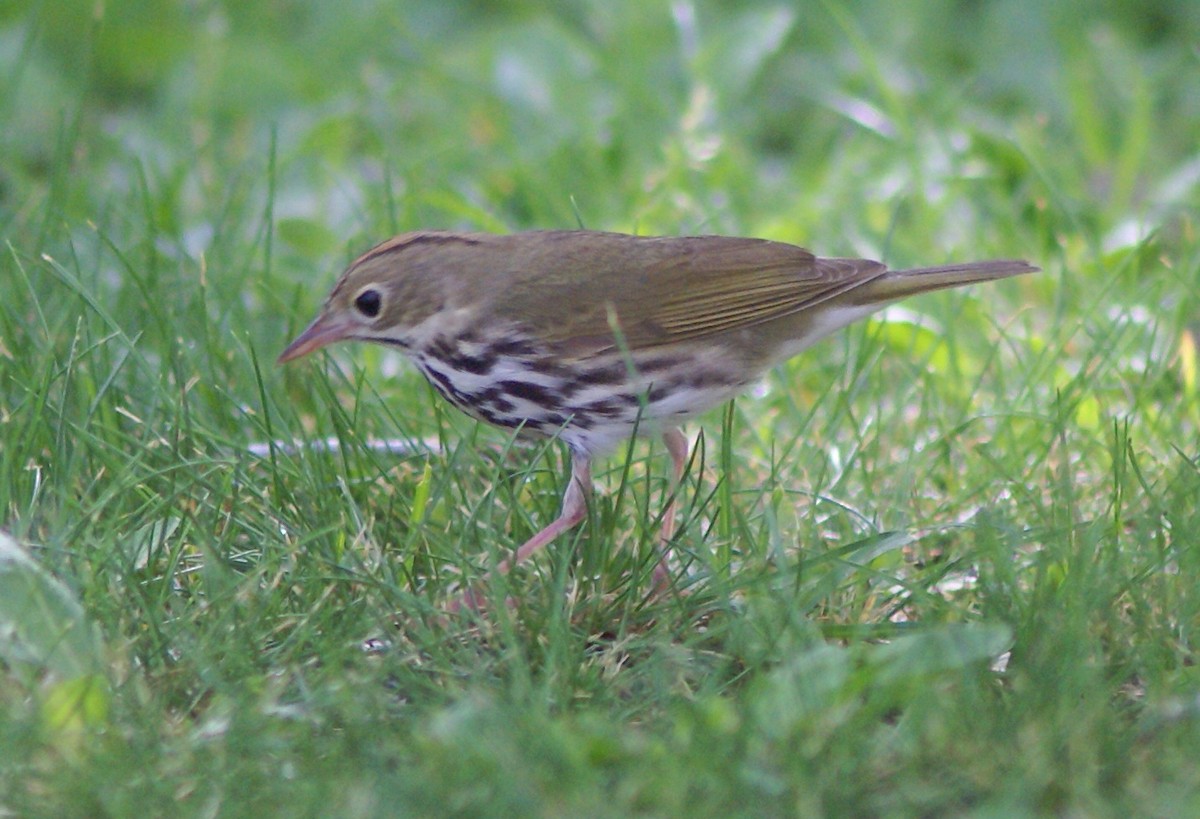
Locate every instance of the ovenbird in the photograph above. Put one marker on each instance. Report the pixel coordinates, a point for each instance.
(590, 336)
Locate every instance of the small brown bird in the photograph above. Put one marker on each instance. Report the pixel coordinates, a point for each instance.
(590, 336)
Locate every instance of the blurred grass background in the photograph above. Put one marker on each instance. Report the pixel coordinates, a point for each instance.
(942, 564)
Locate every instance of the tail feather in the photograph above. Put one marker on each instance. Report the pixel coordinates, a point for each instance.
(897, 284)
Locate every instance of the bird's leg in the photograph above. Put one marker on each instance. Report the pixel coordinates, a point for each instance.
(677, 446)
(574, 510)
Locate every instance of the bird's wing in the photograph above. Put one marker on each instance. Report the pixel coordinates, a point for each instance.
(664, 291)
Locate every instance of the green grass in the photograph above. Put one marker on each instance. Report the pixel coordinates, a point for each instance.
(945, 563)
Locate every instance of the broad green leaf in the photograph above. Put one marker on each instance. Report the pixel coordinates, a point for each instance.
(41, 623)
(936, 650)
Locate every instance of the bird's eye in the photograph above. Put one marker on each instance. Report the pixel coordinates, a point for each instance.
(369, 302)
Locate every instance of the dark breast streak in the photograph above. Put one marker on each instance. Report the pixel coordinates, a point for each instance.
(511, 383)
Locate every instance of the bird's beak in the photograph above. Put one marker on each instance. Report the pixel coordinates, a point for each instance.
(324, 330)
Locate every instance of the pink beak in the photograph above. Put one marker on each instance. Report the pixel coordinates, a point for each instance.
(324, 330)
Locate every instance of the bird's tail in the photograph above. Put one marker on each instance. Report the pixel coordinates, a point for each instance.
(897, 284)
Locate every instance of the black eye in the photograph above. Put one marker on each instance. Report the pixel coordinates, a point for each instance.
(368, 302)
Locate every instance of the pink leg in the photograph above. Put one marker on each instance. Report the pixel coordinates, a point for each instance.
(574, 510)
(677, 446)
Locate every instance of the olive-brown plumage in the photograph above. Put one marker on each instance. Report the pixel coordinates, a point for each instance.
(592, 335)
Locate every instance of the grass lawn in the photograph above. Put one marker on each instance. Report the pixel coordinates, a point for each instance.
(944, 563)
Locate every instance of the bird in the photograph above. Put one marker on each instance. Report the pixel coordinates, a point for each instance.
(592, 336)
